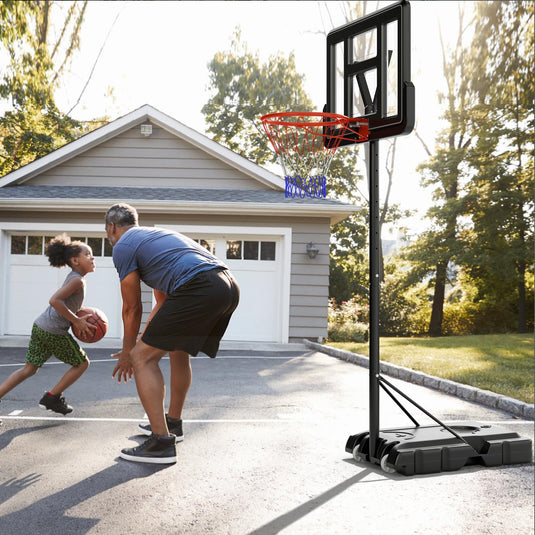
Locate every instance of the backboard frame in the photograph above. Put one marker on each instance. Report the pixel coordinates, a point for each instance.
(395, 17)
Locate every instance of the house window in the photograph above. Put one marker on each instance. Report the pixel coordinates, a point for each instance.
(249, 250)
(36, 245)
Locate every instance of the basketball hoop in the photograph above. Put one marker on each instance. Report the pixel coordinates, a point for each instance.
(306, 143)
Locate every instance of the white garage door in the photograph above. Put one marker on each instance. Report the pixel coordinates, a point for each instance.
(255, 261)
(32, 281)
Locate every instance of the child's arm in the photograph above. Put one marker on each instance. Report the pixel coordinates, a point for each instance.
(58, 302)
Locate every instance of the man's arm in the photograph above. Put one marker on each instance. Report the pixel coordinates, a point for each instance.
(132, 312)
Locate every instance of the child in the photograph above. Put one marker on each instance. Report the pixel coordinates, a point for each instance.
(50, 334)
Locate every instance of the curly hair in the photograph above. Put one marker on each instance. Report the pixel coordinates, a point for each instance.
(61, 249)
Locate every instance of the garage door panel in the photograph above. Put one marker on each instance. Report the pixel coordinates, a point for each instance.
(31, 281)
(29, 291)
(103, 291)
(256, 317)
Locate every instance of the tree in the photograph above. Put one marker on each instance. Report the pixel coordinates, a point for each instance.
(498, 249)
(33, 126)
(434, 250)
(243, 89)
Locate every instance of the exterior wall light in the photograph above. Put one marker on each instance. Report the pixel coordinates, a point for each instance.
(312, 250)
(146, 130)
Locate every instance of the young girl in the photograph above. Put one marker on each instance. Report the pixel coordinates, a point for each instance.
(50, 334)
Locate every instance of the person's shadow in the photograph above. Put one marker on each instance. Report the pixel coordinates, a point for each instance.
(48, 515)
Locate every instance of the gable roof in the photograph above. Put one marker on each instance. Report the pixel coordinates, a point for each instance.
(116, 127)
(19, 194)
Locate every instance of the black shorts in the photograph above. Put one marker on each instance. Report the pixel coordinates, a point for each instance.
(196, 316)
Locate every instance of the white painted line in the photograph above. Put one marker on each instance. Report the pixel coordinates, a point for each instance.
(114, 361)
(137, 420)
(282, 418)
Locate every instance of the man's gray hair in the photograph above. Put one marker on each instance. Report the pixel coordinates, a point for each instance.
(122, 215)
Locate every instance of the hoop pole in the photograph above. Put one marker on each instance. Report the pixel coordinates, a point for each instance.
(373, 181)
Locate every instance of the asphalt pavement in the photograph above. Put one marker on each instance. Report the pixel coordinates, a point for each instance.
(263, 453)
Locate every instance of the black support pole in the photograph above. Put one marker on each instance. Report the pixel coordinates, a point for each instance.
(373, 181)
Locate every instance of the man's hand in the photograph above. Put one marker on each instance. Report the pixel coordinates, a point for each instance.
(123, 368)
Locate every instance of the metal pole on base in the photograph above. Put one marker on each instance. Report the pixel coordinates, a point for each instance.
(375, 281)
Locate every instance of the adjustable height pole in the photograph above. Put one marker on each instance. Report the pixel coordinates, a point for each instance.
(373, 181)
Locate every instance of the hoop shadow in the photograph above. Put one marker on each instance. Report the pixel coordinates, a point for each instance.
(282, 522)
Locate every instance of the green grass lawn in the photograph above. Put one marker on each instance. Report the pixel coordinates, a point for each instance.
(501, 363)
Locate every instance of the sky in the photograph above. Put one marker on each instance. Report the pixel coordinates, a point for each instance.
(157, 53)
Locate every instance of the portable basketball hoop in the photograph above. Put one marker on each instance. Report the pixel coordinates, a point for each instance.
(306, 142)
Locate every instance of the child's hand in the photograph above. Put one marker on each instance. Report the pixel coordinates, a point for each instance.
(85, 328)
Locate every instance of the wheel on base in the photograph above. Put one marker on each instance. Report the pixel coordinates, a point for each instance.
(358, 456)
(385, 468)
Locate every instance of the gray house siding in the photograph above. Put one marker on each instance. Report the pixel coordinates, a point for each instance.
(161, 160)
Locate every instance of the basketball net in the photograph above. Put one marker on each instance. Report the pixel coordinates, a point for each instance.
(305, 143)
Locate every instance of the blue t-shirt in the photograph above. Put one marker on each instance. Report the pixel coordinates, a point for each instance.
(164, 259)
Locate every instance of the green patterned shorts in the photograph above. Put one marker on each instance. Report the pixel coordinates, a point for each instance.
(63, 346)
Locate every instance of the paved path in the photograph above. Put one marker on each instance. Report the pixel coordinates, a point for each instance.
(263, 454)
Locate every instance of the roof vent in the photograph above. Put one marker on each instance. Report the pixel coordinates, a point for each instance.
(146, 130)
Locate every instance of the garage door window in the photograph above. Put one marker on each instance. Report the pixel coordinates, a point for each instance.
(35, 245)
(250, 250)
(207, 244)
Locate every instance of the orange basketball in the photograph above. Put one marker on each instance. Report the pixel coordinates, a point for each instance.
(96, 318)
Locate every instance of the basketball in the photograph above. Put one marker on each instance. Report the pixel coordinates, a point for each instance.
(96, 318)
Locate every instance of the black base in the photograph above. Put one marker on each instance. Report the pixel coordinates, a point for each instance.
(432, 449)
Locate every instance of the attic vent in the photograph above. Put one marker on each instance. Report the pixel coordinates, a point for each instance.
(146, 130)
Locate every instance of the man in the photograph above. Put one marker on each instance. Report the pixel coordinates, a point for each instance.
(195, 298)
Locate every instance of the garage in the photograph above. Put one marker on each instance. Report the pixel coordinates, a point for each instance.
(256, 260)
(277, 248)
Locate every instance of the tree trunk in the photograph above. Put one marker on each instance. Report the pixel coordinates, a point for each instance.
(522, 320)
(437, 312)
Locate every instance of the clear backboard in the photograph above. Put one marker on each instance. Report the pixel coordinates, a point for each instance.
(368, 72)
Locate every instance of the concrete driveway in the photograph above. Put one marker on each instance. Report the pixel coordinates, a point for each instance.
(265, 433)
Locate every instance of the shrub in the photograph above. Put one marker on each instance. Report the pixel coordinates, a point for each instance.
(403, 312)
(477, 318)
(348, 332)
(348, 321)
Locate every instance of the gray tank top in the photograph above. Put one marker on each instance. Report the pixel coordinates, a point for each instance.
(51, 320)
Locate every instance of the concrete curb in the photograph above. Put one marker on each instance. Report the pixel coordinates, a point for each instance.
(469, 393)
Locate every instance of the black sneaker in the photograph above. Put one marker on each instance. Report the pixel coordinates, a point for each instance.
(55, 403)
(173, 424)
(157, 449)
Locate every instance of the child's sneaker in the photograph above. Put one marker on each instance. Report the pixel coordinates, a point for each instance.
(157, 449)
(173, 424)
(55, 403)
